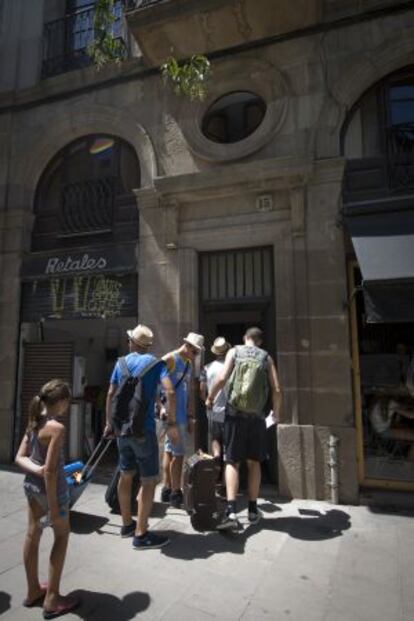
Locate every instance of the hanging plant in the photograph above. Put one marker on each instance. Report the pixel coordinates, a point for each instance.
(188, 78)
(105, 48)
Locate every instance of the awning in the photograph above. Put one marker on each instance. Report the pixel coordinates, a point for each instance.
(384, 246)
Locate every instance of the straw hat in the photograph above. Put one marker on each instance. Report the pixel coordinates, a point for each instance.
(141, 335)
(220, 346)
(195, 340)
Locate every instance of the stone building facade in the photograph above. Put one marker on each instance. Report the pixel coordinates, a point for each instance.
(277, 191)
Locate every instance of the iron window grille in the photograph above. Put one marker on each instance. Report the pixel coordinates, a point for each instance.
(87, 207)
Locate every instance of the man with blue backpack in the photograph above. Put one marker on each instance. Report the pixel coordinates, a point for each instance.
(130, 414)
(251, 374)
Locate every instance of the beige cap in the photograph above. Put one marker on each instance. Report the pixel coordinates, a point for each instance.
(220, 346)
(195, 340)
(141, 335)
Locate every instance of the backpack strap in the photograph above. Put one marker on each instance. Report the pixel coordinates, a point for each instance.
(124, 367)
(125, 372)
(187, 364)
(149, 366)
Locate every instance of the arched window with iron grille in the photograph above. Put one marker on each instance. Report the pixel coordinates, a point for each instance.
(85, 195)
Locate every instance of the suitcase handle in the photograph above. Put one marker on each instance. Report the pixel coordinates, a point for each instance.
(97, 455)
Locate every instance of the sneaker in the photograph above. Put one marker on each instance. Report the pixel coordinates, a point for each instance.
(229, 522)
(165, 494)
(254, 516)
(150, 541)
(128, 531)
(176, 499)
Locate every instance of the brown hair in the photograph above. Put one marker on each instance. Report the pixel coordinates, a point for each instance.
(255, 334)
(52, 392)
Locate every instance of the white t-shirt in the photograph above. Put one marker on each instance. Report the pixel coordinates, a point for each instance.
(210, 374)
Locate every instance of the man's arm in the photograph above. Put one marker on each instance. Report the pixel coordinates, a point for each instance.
(222, 378)
(203, 384)
(108, 422)
(171, 400)
(275, 389)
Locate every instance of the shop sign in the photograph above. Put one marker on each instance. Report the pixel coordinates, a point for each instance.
(102, 296)
(93, 261)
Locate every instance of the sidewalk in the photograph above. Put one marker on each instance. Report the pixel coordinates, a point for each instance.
(306, 561)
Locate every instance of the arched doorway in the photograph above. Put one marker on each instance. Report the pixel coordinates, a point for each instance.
(79, 279)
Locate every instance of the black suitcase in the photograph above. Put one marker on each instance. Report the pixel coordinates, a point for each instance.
(200, 502)
(111, 494)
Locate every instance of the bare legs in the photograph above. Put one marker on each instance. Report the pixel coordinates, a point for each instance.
(254, 477)
(145, 501)
(124, 495)
(31, 551)
(216, 448)
(57, 557)
(172, 470)
(232, 480)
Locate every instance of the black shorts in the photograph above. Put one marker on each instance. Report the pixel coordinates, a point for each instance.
(244, 438)
(217, 431)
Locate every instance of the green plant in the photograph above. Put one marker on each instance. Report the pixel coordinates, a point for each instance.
(188, 78)
(105, 48)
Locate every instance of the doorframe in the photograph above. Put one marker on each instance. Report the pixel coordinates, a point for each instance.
(356, 381)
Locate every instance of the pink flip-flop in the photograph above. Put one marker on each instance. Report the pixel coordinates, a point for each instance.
(27, 603)
(62, 609)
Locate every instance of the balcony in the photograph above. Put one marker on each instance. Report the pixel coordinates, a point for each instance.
(66, 40)
(186, 27)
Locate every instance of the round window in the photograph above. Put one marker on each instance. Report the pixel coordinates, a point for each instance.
(233, 117)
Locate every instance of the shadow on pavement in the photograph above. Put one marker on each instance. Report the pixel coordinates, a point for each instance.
(313, 526)
(5, 599)
(86, 523)
(97, 606)
(159, 509)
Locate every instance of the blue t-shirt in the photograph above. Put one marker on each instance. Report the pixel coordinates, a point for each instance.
(136, 363)
(175, 372)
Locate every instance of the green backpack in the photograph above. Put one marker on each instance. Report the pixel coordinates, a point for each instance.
(249, 386)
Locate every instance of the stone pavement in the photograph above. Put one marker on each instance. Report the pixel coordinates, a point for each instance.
(306, 561)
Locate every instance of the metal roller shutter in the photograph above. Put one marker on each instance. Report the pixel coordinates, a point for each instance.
(43, 362)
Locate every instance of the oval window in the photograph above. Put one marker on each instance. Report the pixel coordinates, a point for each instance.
(233, 117)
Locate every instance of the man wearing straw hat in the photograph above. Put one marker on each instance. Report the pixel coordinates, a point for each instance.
(208, 376)
(179, 370)
(141, 453)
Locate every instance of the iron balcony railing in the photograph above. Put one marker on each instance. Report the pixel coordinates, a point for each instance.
(87, 206)
(66, 40)
(401, 155)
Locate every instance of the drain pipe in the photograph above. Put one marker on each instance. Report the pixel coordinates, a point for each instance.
(333, 467)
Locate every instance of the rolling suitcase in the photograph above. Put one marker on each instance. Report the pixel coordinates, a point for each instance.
(78, 474)
(200, 476)
(111, 494)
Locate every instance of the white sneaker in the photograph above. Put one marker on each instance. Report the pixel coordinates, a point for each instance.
(254, 517)
(229, 522)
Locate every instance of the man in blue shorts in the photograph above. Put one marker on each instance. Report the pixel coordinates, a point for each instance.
(141, 453)
(179, 371)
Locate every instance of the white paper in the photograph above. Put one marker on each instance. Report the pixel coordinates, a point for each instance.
(270, 420)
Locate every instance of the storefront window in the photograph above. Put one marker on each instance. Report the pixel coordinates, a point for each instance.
(386, 361)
